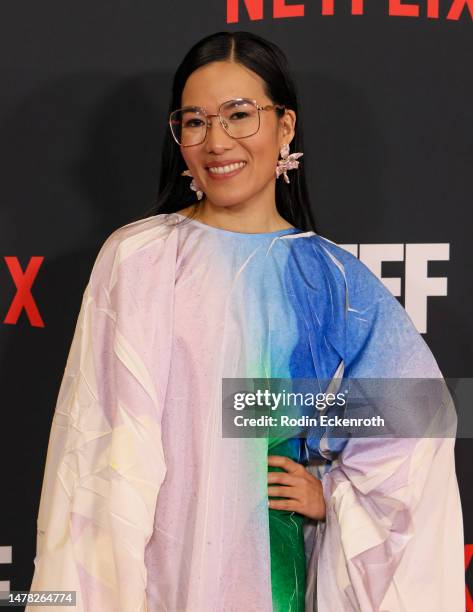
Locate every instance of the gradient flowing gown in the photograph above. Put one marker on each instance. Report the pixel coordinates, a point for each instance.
(146, 507)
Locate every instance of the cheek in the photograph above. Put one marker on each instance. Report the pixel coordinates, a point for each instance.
(265, 162)
(189, 157)
(265, 154)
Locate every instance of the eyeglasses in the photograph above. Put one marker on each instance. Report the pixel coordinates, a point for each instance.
(239, 117)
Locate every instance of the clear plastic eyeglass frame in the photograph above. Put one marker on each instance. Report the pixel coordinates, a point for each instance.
(222, 121)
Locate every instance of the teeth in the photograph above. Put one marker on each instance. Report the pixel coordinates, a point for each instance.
(226, 169)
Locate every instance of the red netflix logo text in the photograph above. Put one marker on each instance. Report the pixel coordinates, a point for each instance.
(23, 298)
(468, 559)
(395, 8)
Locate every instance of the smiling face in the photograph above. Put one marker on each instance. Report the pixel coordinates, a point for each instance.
(254, 183)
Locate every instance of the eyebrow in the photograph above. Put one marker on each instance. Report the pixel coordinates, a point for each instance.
(218, 105)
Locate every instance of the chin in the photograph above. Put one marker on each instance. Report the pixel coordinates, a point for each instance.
(228, 200)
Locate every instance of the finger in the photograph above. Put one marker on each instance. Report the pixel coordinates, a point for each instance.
(285, 463)
(284, 478)
(282, 504)
(287, 492)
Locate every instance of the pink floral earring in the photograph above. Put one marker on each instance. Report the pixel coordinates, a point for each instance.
(193, 185)
(288, 162)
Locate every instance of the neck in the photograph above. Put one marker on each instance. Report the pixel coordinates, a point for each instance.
(249, 217)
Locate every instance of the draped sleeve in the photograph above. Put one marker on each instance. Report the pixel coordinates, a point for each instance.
(392, 539)
(105, 461)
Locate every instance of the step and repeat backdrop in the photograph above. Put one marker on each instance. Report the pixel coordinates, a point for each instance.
(386, 90)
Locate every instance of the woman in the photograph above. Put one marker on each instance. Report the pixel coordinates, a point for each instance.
(145, 504)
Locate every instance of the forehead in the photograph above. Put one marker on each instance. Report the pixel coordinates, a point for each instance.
(217, 82)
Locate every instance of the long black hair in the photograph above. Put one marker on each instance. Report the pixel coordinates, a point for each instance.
(268, 61)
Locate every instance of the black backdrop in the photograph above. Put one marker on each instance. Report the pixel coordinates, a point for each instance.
(386, 101)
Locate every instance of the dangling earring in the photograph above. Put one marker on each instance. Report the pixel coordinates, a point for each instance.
(288, 162)
(193, 185)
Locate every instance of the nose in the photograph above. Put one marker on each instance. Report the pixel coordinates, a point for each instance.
(217, 137)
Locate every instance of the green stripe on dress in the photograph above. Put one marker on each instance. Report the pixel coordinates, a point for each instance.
(288, 562)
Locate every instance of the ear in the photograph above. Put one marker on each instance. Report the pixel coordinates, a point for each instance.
(287, 126)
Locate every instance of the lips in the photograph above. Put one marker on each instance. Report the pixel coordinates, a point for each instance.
(232, 169)
(227, 162)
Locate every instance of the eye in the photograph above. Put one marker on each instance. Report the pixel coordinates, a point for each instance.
(241, 115)
(190, 123)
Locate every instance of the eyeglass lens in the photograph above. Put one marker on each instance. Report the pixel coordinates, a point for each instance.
(240, 119)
